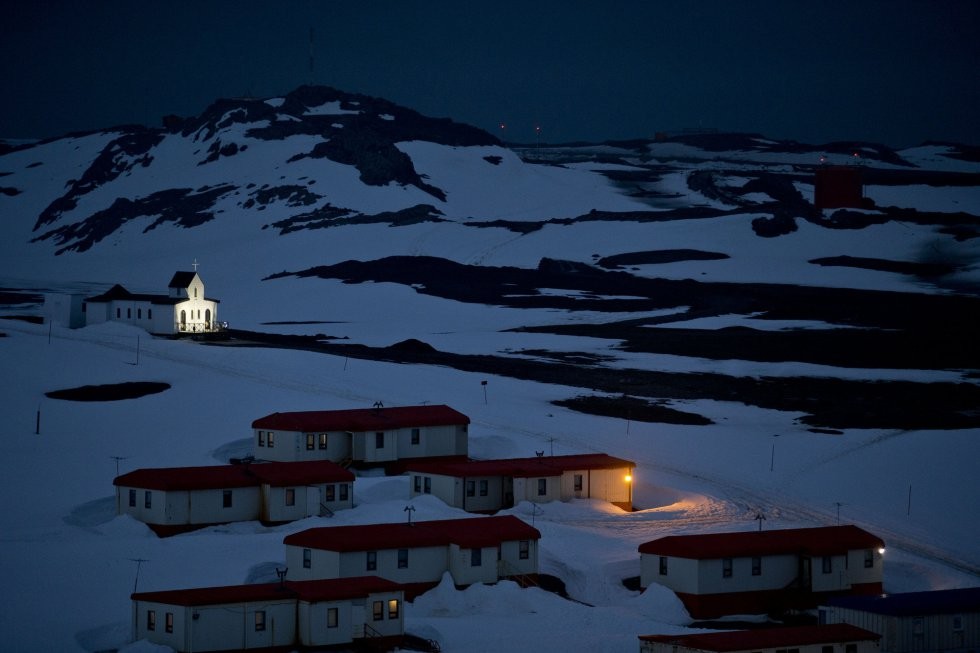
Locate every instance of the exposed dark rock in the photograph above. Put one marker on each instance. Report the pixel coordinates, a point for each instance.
(632, 408)
(658, 257)
(110, 392)
(902, 267)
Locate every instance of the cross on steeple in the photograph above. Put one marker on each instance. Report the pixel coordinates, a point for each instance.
(195, 264)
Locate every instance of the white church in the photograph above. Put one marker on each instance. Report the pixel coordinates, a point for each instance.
(183, 310)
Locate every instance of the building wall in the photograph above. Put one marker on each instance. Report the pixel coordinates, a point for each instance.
(312, 623)
(291, 446)
(366, 449)
(911, 634)
(207, 507)
(323, 564)
(837, 647)
(776, 573)
(450, 440)
(511, 562)
(425, 565)
(218, 627)
(682, 573)
(446, 488)
(465, 573)
(64, 310)
(606, 484)
(526, 489)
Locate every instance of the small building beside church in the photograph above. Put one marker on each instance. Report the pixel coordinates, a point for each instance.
(184, 309)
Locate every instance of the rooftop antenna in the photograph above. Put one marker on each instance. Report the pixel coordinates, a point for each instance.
(281, 573)
(760, 518)
(409, 509)
(838, 504)
(139, 563)
(117, 459)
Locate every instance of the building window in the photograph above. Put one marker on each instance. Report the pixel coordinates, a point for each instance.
(578, 482)
(957, 622)
(261, 438)
(329, 492)
(309, 442)
(416, 436)
(323, 441)
(118, 313)
(378, 613)
(147, 499)
(226, 499)
(343, 492)
(470, 488)
(417, 484)
(663, 565)
(139, 316)
(379, 440)
(827, 565)
(132, 498)
(850, 648)
(726, 567)
(290, 496)
(307, 559)
(259, 620)
(476, 558)
(403, 558)
(331, 617)
(484, 488)
(869, 558)
(129, 313)
(372, 561)
(168, 622)
(149, 313)
(542, 487)
(151, 619)
(428, 485)
(524, 549)
(392, 608)
(756, 566)
(270, 436)
(826, 649)
(917, 626)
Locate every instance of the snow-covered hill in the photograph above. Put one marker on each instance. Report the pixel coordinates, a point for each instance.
(675, 301)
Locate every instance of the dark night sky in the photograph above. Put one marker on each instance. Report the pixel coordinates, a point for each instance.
(897, 72)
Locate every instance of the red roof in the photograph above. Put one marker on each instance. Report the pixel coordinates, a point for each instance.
(276, 474)
(521, 467)
(466, 533)
(763, 638)
(334, 589)
(360, 420)
(823, 540)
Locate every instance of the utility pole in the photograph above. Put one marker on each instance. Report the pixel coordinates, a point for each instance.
(117, 459)
(139, 563)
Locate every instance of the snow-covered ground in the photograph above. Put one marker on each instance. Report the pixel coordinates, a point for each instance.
(69, 564)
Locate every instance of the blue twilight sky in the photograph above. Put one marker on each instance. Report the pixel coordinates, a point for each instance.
(897, 72)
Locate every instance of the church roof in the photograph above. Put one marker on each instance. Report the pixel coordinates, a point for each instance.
(182, 279)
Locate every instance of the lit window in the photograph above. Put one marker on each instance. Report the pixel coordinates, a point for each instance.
(476, 557)
(271, 438)
(403, 558)
(168, 622)
(307, 559)
(484, 488)
(524, 549)
(151, 620)
(331, 617)
(323, 440)
(663, 565)
(542, 487)
(372, 561)
(309, 442)
(378, 611)
(416, 436)
(260, 620)
(132, 498)
(578, 482)
(726, 567)
(392, 608)
(290, 496)
(226, 499)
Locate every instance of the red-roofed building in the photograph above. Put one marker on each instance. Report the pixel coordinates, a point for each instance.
(800, 639)
(418, 554)
(758, 572)
(492, 485)
(315, 613)
(184, 309)
(177, 499)
(369, 436)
